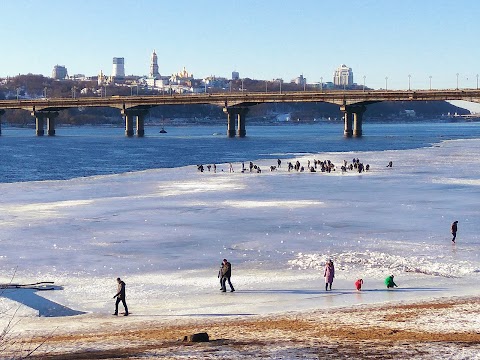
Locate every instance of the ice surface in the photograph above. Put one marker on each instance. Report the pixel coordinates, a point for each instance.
(166, 231)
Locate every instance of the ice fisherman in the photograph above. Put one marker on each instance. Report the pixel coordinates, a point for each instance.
(120, 295)
(389, 282)
(329, 274)
(454, 229)
(226, 274)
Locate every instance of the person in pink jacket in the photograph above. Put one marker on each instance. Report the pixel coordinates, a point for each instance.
(329, 274)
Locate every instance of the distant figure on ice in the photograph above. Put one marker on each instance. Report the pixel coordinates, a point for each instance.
(358, 284)
(220, 275)
(120, 295)
(389, 282)
(454, 230)
(226, 274)
(329, 274)
(390, 164)
(279, 162)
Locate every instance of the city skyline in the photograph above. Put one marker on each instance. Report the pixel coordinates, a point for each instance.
(388, 45)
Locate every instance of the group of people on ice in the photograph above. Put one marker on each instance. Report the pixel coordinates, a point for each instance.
(329, 275)
(225, 274)
(317, 165)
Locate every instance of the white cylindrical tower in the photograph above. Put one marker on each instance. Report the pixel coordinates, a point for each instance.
(118, 70)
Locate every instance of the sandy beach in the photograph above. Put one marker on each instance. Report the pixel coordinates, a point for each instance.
(445, 328)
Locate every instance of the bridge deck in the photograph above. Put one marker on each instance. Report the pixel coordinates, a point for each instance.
(348, 97)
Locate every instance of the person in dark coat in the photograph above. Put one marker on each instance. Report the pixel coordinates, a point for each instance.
(120, 295)
(226, 274)
(454, 228)
(329, 274)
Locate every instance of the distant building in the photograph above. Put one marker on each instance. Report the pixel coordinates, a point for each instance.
(59, 72)
(182, 78)
(154, 66)
(343, 76)
(101, 79)
(118, 70)
(300, 80)
(235, 75)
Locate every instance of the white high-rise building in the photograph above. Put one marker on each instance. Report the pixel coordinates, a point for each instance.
(118, 70)
(154, 66)
(343, 76)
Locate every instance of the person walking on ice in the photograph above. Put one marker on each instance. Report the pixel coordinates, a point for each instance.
(389, 282)
(120, 295)
(226, 274)
(329, 274)
(454, 229)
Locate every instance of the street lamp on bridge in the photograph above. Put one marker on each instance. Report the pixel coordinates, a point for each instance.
(457, 80)
(477, 81)
(409, 76)
(242, 85)
(386, 83)
(266, 86)
(364, 83)
(430, 82)
(321, 82)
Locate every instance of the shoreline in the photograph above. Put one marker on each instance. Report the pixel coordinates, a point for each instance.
(364, 331)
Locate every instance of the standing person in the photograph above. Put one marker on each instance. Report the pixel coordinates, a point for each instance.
(389, 282)
(329, 274)
(226, 274)
(220, 276)
(454, 230)
(120, 295)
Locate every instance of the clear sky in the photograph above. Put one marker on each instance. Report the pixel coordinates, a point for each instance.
(262, 39)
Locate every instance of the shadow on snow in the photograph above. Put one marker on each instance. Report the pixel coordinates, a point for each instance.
(45, 307)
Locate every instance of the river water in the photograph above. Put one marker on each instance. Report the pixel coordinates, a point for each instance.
(87, 151)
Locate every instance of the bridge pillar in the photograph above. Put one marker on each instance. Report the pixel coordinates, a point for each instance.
(358, 119)
(240, 113)
(51, 122)
(242, 132)
(128, 123)
(355, 111)
(141, 122)
(347, 119)
(139, 115)
(230, 121)
(39, 122)
(1, 113)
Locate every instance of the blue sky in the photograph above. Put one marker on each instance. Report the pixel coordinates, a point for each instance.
(262, 39)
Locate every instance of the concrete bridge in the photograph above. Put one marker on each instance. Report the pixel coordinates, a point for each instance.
(353, 103)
